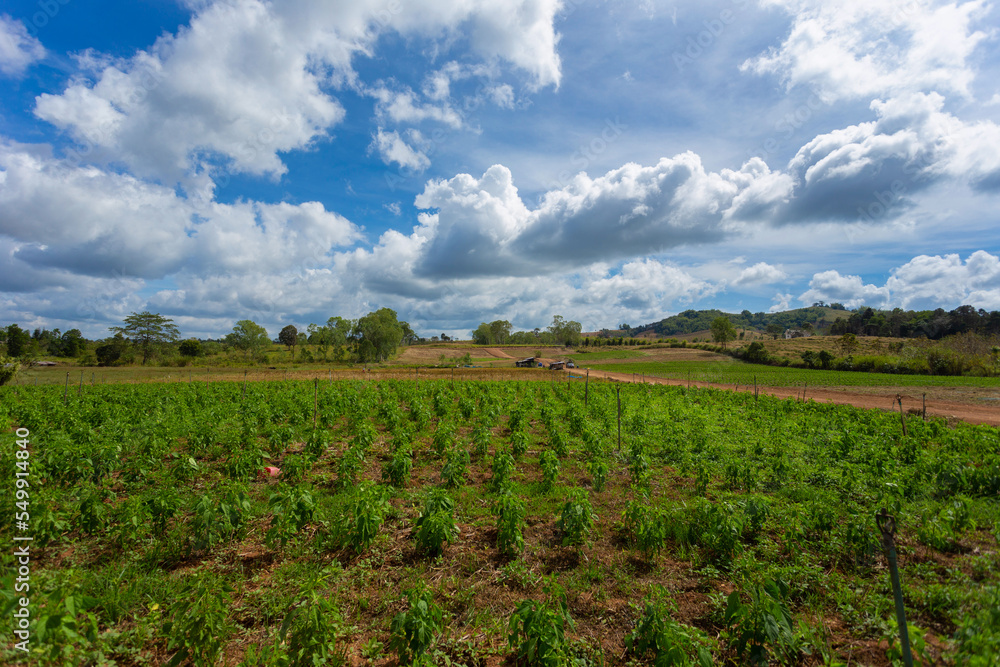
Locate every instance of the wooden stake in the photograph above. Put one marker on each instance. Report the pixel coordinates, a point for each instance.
(586, 389)
(925, 407)
(244, 385)
(618, 392)
(79, 390)
(66, 391)
(902, 417)
(315, 401)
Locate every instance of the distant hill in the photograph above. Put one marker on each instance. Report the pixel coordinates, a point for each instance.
(694, 321)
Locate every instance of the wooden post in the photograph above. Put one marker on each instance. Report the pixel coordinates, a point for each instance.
(618, 392)
(79, 390)
(902, 417)
(66, 391)
(244, 385)
(925, 407)
(315, 401)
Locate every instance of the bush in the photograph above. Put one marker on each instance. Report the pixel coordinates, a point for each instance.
(538, 630)
(365, 516)
(510, 511)
(577, 518)
(414, 630)
(198, 625)
(670, 642)
(436, 526)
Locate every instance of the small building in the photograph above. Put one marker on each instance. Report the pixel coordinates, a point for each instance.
(557, 365)
(525, 363)
(795, 333)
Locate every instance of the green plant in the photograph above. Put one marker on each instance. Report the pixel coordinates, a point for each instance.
(763, 625)
(349, 467)
(291, 510)
(415, 630)
(647, 527)
(397, 469)
(519, 441)
(577, 518)
(444, 438)
(364, 517)
(313, 627)
(436, 526)
(598, 469)
(503, 468)
(510, 511)
(550, 469)
(538, 630)
(218, 519)
(198, 625)
(481, 439)
(670, 642)
(456, 463)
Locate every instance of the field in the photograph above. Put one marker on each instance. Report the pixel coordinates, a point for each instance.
(473, 522)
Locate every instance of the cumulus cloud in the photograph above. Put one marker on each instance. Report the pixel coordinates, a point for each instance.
(923, 282)
(393, 149)
(18, 49)
(483, 227)
(248, 80)
(873, 48)
(781, 302)
(760, 273)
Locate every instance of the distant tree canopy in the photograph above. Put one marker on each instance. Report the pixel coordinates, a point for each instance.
(18, 341)
(497, 332)
(148, 331)
(289, 337)
(249, 337)
(377, 335)
(723, 331)
(564, 332)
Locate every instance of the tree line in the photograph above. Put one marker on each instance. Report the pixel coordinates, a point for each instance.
(500, 332)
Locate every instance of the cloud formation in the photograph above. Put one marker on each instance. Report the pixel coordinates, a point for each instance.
(18, 49)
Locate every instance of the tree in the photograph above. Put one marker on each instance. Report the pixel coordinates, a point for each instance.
(18, 341)
(723, 331)
(111, 351)
(378, 334)
(848, 343)
(71, 343)
(774, 330)
(190, 348)
(565, 332)
(148, 331)
(288, 337)
(249, 337)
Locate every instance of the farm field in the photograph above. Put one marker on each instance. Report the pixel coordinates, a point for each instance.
(477, 521)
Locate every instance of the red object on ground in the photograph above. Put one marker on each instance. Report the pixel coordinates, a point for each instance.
(270, 471)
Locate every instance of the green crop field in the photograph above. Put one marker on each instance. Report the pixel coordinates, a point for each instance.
(726, 370)
(487, 523)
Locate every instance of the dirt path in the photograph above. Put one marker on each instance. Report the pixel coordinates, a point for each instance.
(952, 410)
(496, 352)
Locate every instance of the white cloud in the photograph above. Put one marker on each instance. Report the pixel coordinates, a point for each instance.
(923, 282)
(392, 148)
(872, 48)
(404, 107)
(18, 49)
(248, 80)
(851, 291)
(760, 273)
(781, 302)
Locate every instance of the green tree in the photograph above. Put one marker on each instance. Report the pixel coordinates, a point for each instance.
(249, 337)
(377, 335)
(148, 331)
(774, 330)
(483, 335)
(848, 343)
(71, 343)
(18, 341)
(723, 331)
(190, 348)
(566, 332)
(289, 337)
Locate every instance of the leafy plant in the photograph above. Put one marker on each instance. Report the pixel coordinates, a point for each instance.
(198, 625)
(550, 469)
(598, 469)
(396, 470)
(218, 519)
(291, 510)
(349, 467)
(366, 512)
(670, 642)
(503, 468)
(510, 511)
(537, 630)
(577, 518)
(647, 527)
(763, 625)
(313, 627)
(436, 526)
(456, 463)
(415, 630)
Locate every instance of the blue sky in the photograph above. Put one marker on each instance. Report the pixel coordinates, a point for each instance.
(467, 161)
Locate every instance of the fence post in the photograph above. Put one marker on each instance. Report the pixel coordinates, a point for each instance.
(887, 526)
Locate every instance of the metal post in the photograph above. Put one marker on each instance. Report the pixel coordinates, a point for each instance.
(887, 526)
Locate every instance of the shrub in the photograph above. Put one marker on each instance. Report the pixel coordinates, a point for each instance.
(414, 630)
(598, 469)
(436, 526)
(365, 516)
(577, 518)
(503, 468)
(198, 625)
(550, 469)
(397, 469)
(313, 627)
(670, 642)
(510, 511)
(763, 625)
(455, 466)
(538, 630)
(291, 510)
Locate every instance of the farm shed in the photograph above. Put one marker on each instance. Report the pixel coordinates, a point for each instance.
(525, 363)
(557, 365)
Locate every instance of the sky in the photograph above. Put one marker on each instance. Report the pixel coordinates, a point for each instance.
(462, 161)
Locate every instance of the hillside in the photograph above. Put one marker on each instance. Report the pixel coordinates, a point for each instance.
(694, 321)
